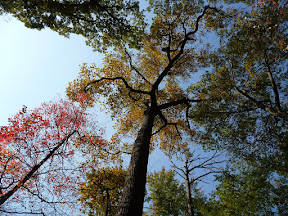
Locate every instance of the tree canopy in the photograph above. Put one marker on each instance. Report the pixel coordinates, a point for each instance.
(103, 23)
(245, 110)
(248, 190)
(166, 194)
(142, 89)
(152, 92)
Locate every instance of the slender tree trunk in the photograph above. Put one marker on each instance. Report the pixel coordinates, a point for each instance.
(108, 204)
(189, 197)
(132, 199)
(7, 195)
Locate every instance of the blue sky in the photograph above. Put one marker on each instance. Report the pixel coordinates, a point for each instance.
(35, 65)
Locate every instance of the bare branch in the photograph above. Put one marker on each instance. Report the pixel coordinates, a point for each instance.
(273, 83)
(208, 164)
(177, 168)
(205, 174)
(23, 213)
(134, 68)
(177, 102)
(205, 162)
(114, 79)
(41, 198)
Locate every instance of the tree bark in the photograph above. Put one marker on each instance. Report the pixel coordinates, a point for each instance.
(108, 204)
(132, 199)
(189, 196)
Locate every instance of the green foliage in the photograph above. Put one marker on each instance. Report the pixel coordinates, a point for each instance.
(166, 193)
(246, 108)
(102, 191)
(249, 191)
(281, 194)
(103, 23)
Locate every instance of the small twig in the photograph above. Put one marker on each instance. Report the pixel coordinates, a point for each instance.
(134, 67)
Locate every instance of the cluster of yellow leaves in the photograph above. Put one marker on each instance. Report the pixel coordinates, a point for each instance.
(103, 187)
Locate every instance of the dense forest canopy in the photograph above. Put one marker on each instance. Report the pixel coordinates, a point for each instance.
(149, 85)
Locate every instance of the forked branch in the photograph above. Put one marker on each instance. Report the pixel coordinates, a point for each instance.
(162, 117)
(182, 46)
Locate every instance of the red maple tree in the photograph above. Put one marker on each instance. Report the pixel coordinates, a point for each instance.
(37, 160)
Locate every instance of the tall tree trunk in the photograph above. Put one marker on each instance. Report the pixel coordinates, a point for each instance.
(189, 197)
(132, 199)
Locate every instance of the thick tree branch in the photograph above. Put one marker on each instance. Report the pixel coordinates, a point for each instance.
(162, 117)
(270, 110)
(168, 48)
(160, 114)
(206, 8)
